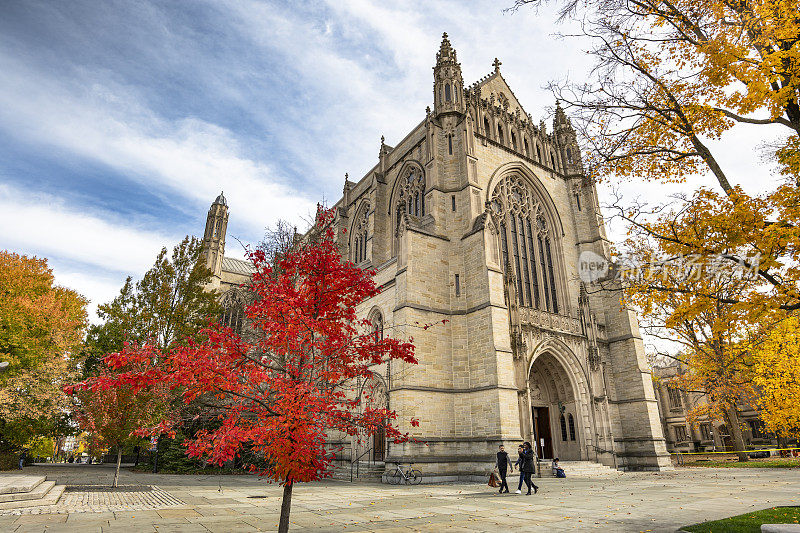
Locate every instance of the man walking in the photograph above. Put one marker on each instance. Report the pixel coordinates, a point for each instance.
(502, 464)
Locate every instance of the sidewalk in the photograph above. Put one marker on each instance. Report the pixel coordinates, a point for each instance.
(631, 502)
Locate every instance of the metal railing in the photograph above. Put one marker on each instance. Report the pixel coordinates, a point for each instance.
(357, 461)
(597, 450)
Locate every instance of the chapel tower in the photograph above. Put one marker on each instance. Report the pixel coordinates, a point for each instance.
(448, 84)
(214, 237)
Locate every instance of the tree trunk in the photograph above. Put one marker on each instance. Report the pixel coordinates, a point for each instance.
(736, 432)
(286, 506)
(119, 460)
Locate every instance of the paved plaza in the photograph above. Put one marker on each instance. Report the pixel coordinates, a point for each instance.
(630, 502)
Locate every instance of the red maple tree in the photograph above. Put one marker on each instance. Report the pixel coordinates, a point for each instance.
(291, 379)
(112, 408)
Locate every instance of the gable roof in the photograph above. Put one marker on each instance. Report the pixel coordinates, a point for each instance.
(494, 83)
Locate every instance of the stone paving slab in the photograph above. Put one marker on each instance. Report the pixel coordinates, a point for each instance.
(630, 502)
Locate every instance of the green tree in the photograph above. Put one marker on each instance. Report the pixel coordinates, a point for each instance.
(167, 306)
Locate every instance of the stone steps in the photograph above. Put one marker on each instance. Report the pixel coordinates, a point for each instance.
(38, 492)
(366, 471)
(28, 491)
(580, 468)
(10, 483)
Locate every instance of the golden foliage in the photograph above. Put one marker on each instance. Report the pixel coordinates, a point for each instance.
(41, 327)
(776, 375)
(38, 320)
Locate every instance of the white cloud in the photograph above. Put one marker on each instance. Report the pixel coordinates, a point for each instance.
(89, 252)
(187, 157)
(41, 224)
(97, 287)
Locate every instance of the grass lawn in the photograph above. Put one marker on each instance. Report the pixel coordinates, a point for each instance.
(749, 522)
(777, 462)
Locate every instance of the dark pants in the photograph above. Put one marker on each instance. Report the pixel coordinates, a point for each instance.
(503, 482)
(521, 478)
(526, 476)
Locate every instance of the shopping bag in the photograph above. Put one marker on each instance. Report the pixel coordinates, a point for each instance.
(493, 480)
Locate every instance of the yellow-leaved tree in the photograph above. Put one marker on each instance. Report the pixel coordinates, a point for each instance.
(776, 377)
(41, 329)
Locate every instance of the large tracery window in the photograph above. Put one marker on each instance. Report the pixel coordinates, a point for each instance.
(412, 193)
(360, 233)
(233, 314)
(526, 243)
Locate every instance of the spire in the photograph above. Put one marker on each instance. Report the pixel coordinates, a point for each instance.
(221, 199)
(448, 85)
(446, 52)
(561, 118)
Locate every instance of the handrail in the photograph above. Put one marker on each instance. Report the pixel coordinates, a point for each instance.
(602, 450)
(356, 462)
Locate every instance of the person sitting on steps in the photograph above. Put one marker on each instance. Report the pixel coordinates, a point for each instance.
(557, 470)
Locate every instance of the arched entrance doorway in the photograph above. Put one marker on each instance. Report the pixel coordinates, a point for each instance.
(377, 396)
(554, 409)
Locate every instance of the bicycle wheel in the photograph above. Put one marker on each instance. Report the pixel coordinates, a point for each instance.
(394, 478)
(414, 477)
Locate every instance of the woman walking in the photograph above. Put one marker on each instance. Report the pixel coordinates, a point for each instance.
(518, 464)
(527, 468)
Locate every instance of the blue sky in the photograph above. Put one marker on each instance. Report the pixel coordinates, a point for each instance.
(120, 122)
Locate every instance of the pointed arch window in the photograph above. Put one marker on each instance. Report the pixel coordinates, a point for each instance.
(538, 154)
(569, 155)
(513, 141)
(446, 92)
(571, 422)
(360, 236)
(486, 128)
(412, 193)
(563, 429)
(525, 144)
(526, 243)
(500, 134)
(233, 311)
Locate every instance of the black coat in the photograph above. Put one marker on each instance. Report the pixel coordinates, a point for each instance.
(527, 461)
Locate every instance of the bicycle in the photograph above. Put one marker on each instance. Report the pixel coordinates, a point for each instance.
(409, 475)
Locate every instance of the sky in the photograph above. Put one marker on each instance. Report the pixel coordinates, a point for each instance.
(120, 122)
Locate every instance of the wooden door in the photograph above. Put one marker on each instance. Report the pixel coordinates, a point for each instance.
(379, 445)
(541, 423)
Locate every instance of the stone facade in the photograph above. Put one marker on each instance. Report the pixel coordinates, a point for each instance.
(474, 222)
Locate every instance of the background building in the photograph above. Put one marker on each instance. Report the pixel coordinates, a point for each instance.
(674, 405)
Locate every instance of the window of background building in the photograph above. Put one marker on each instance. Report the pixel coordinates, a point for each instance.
(756, 429)
(705, 431)
(680, 434)
(675, 402)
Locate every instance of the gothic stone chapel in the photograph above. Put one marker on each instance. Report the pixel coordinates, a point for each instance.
(478, 217)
